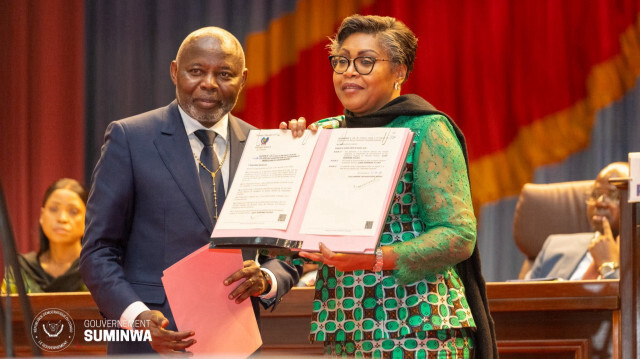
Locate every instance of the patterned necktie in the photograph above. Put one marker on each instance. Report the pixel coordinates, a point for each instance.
(211, 173)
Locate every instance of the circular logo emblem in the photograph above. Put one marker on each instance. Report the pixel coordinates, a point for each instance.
(53, 330)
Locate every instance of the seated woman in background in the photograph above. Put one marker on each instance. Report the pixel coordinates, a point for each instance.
(55, 267)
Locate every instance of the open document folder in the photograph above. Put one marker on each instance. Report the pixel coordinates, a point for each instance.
(334, 186)
(199, 302)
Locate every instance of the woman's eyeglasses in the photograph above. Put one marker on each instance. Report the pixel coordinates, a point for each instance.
(362, 64)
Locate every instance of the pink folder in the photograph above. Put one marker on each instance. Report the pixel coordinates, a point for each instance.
(199, 302)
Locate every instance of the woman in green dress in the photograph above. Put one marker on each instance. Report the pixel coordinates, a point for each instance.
(54, 268)
(421, 295)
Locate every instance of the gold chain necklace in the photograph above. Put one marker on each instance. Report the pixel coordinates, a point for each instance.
(213, 175)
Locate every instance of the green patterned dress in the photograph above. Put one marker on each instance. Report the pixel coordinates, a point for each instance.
(418, 310)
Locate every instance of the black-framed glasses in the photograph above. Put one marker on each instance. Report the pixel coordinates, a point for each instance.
(612, 196)
(362, 64)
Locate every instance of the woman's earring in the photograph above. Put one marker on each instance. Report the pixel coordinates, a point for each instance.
(396, 86)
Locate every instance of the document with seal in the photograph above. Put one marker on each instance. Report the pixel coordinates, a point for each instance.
(334, 186)
(267, 181)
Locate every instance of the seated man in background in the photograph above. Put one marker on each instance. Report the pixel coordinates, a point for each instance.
(593, 255)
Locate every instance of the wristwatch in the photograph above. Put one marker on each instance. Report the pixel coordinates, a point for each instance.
(267, 278)
(607, 268)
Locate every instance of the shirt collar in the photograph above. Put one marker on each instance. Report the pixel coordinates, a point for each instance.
(191, 125)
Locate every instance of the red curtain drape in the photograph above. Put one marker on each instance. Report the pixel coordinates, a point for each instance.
(494, 66)
(42, 94)
(522, 79)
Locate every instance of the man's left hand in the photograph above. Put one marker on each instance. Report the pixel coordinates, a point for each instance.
(254, 282)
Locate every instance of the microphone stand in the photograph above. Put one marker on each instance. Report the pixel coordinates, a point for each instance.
(11, 260)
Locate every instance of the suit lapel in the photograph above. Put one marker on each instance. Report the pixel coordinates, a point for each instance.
(238, 138)
(174, 149)
(573, 258)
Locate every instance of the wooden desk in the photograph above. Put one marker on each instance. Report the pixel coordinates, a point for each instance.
(80, 307)
(629, 271)
(533, 320)
(577, 319)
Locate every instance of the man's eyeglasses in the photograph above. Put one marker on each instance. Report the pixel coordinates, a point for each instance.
(362, 64)
(612, 196)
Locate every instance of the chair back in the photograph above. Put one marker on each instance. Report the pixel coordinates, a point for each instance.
(545, 209)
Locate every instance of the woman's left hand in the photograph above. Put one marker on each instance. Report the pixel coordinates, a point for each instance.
(342, 261)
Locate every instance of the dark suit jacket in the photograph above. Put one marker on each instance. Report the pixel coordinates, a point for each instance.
(146, 211)
(560, 255)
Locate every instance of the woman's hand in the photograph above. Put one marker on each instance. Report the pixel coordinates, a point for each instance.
(342, 261)
(297, 127)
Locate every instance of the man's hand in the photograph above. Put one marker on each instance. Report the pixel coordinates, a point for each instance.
(164, 341)
(254, 282)
(297, 127)
(604, 248)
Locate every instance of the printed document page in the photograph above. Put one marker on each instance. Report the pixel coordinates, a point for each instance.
(352, 183)
(264, 191)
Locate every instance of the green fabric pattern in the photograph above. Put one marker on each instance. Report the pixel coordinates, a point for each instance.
(449, 344)
(431, 216)
(443, 201)
(286, 256)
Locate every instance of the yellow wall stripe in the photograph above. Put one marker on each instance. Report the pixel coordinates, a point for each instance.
(312, 22)
(546, 141)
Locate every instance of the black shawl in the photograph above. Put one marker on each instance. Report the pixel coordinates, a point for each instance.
(70, 281)
(469, 270)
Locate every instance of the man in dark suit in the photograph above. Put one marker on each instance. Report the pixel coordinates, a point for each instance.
(590, 255)
(149, 207)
